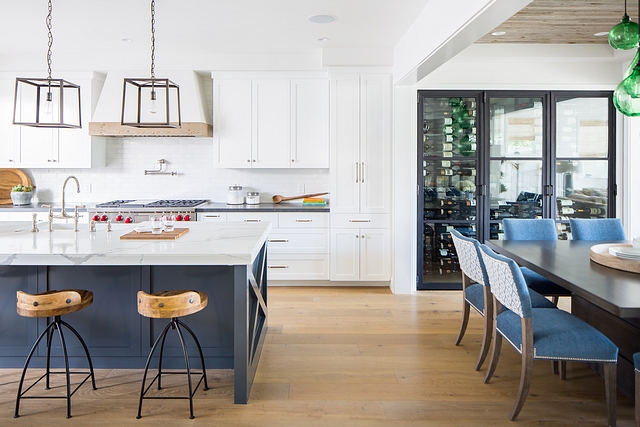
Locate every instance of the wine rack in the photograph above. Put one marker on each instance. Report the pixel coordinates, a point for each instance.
(449, 173)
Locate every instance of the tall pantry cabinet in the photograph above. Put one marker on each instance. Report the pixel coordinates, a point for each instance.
(360, 177)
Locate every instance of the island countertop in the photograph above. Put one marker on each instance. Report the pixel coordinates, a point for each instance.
(205, 244)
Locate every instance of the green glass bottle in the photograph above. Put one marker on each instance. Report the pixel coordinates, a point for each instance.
(624, 36)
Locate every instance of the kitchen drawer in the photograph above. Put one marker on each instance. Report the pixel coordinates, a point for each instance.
(299, 241)
(360, 221)
(254, 217)
(298, 267)
(303, 220)
(212, 216)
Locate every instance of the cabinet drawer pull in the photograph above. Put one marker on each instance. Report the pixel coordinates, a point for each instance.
(304, 220)
(212, 216)
(359, 220)
(278, 266)
(279, 240)
(252, 220)
(362, 180)
(357, 172)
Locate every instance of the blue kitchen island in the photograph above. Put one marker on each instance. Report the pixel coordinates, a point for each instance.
(226, 261)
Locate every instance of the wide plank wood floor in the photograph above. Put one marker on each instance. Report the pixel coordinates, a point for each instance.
(337, 357)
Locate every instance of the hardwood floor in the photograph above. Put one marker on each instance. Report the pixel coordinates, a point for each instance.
(338, 357)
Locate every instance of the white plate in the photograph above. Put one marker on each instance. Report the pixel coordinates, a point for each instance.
(625, 252)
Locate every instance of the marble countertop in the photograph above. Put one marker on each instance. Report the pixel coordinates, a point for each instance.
(207, 207)
(205, 244)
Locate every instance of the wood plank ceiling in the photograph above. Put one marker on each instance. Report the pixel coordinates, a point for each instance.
(563, 22)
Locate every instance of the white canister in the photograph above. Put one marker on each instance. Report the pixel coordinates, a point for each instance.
(234, 195)
(252, 198)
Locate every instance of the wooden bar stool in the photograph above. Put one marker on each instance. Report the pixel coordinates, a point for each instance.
(54, 304)
(165, 305)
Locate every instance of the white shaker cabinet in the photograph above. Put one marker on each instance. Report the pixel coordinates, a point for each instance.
(360, 178)
(271, 123)
(360, 143)
(309, 123)
(251, 123)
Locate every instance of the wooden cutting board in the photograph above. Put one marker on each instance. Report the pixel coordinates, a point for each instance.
(165, 235)
(10, 178)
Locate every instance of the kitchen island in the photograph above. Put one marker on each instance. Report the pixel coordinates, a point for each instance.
(226, 261)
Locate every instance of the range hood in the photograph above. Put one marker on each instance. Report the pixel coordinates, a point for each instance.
(196, 116)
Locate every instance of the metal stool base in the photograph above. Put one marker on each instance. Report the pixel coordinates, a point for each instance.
(48, 331)
(174, 324)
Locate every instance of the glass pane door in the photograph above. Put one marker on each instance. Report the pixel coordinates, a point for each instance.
(516, 137)
(448, 182)
(582, 135)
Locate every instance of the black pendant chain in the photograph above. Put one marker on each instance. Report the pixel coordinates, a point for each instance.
(50, 40)
(153, 39)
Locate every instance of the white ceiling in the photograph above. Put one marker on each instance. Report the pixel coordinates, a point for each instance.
(96, 27)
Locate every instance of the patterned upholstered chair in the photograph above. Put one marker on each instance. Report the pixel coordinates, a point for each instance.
(535, 229)
(597, 229)
(476, 294)
(636, 368)
(542, 333)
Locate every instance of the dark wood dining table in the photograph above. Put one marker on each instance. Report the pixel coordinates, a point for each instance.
(606, 298)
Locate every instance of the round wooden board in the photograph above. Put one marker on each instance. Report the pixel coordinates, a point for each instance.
(9, 178)
(600, 254)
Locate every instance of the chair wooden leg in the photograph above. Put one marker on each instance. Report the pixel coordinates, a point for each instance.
(488, 327)
(610, 373)
(464, 321)
(554, 367)
(465, 309)
(637, 405)
(555, 300)
(526, 372)
(563, 370)
(496, 345)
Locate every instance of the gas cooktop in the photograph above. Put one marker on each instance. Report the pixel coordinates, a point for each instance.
(168, 204)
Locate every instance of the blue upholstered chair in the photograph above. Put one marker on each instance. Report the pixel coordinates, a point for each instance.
(535, 229)
(542, 333)
(597, 229)
(476, 294)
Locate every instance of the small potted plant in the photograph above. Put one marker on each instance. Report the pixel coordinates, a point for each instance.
(21, 195)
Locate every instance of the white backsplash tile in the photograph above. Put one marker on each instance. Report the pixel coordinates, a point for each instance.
(191, 158)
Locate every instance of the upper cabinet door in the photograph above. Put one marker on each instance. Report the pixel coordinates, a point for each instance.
(375, 143)
(232, 123)
(310, 123)
(271, 123)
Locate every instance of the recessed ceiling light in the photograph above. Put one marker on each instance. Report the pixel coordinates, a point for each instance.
(602, 34)
(498, 33)
(323, 39)
(126, 40)
(322, 19)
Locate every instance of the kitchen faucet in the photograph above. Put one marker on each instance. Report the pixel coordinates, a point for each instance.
(63, 213)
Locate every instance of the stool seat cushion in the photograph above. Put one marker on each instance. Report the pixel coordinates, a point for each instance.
(52, 303)
(558, 335)
(170, 304)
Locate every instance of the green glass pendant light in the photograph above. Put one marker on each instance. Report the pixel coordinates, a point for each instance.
(626, 97)
(624, 36)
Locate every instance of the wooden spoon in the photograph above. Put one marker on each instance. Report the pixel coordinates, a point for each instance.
(278, 198)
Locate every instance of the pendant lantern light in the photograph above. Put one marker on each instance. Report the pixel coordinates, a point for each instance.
(47, 103)
(626, 97)
(624, 36)
(152, 102)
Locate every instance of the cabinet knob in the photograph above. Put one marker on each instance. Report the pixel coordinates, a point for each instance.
(253, 160)
(362, 236)
(248, 161)
(292, 160)
(357, 237)
(11, 160)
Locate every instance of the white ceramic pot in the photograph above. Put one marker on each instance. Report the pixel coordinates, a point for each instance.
(21, 198)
